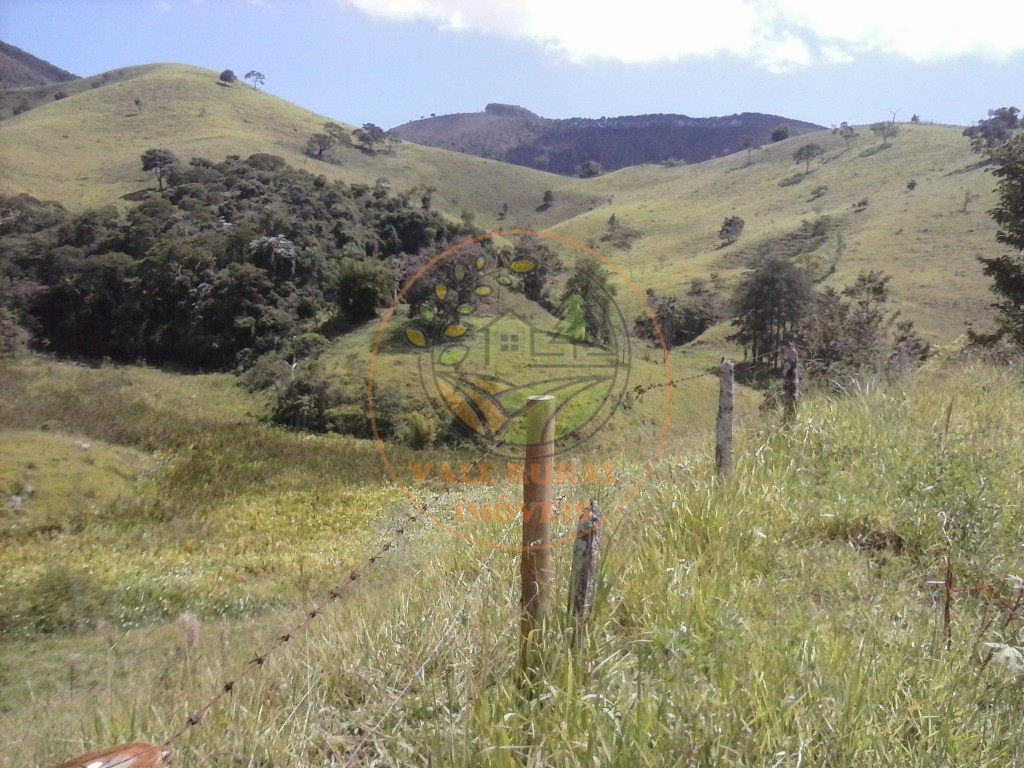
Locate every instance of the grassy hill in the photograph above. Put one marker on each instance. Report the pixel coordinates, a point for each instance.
(84, 151)
(927, 237)
(791, 615)
(156, 531)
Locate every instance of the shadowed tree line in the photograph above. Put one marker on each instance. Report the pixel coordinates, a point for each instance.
(226, 262)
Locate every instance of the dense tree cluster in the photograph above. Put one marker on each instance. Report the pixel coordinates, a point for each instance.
(232, 260)
(679, 320)
(840, 333)
(996, 130)
(849, 332)
(1007, 271)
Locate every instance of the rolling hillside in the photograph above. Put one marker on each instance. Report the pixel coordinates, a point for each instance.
(20, 69)
(84, 151)
(517, 135)
(156, 531)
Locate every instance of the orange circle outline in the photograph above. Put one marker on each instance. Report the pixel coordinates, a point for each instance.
(376, 348)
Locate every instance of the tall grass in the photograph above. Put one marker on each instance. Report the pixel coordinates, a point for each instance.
(782, 617)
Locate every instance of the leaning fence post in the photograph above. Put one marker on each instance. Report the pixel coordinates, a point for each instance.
(583, 576)
(723, 426)
(535, 561)
(790, 381)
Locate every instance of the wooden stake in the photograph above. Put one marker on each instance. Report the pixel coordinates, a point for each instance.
(723, 426)
(583, 576)
(790, 381)
(535, 563)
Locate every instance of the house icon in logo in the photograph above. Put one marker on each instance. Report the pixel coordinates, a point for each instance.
(511, 334)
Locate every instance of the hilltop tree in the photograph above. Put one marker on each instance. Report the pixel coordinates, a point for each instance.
(847, 132)
(227, 77)
(1007, 271)
(994, 131)
(256, 77)
(747, 142)
(369, 136)
(780, 132)
(806, 153)
(731, 229)
(885, 131)
(158, 161)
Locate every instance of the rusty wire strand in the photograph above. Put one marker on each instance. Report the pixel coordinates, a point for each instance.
(332, 596)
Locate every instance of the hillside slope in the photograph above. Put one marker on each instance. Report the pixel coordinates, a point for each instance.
(915, 208)
(19, 69)
(517, 135)
(84, 151)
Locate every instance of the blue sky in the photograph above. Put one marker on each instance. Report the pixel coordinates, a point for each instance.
(390, 61)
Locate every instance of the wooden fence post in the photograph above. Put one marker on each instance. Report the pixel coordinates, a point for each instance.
(723, 426)
(790, 381)
(583, 576)
(535, 562)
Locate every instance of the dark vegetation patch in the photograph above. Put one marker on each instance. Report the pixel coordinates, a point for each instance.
(809, 238)
(231, 261)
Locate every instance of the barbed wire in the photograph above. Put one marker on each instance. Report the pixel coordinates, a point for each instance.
(642, 389)
(357, 573)
(434, 650)
(332, 596)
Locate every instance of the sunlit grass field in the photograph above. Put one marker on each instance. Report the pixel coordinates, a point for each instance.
(157, 532)
(789, 615)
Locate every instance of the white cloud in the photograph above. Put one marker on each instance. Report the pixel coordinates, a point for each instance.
(777, 34)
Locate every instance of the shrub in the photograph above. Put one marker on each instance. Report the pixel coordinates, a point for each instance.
(417, 430)
(306, 403)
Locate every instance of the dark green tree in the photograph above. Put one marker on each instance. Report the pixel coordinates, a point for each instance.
(997, 129)
(306, 402)
(361, 287)
(885, 131)
(319, 145)
(591, 283)
(731, 229)
(806, 153)
(780, 132)
(369, 136)
(679, 320)
(852, 332)
(769, 302)
(227, 77)
(1007, 271)
(158, 161)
